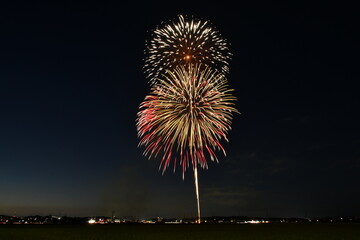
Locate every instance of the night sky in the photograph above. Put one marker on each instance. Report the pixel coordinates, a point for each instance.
(71, 82)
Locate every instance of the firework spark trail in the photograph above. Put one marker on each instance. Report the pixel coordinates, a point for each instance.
(185, 41)
(185, 117)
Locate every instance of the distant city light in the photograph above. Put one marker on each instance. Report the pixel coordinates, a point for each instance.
(91, 221)
(256, 221)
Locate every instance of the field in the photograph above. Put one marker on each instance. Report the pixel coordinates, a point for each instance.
(185, 232)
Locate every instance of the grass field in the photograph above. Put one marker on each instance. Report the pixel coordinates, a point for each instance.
(186, 232)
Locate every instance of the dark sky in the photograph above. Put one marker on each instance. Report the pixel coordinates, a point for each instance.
(71, 82)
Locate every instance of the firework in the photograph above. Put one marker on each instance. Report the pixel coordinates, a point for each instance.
(186, 116)
(185, 41)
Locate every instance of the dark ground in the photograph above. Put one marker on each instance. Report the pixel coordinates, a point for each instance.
(248, 232)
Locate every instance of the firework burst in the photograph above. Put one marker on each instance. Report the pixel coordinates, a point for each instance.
(185, 117)
(185, 41)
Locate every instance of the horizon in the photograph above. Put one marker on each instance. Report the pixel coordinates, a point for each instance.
(350, 218)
